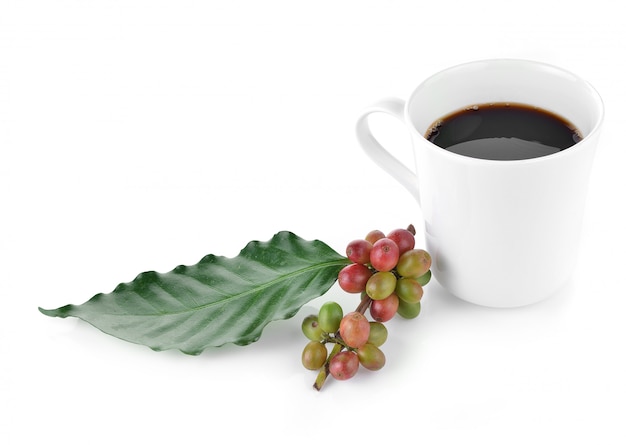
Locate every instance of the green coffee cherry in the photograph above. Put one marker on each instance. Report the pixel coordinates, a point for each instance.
(311, 328)
(378, 333)
(409, 310)
(380, 285)
(409, 290)
(330, 316)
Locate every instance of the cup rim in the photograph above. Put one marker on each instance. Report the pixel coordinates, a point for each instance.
(459, 157)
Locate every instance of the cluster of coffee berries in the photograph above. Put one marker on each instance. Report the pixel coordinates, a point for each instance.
(356, 341)
(389, 273)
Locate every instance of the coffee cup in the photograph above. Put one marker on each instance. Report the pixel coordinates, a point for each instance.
(501, 233)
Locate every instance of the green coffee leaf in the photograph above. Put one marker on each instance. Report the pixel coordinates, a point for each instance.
(219, 300)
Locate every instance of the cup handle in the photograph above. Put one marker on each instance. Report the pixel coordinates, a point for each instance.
(385, 160)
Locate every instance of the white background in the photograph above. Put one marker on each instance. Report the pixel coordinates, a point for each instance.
(140, 135)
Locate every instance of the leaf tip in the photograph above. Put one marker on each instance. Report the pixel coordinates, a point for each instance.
(59, 312)
(48, 312)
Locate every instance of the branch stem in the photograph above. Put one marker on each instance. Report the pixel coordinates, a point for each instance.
(323, 374)
(363, 305)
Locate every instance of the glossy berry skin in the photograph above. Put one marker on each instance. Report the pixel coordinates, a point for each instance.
(384, 255)
(374, 236)
(380, 285)
(414, 263)
(344, 365)
(311, 328)
(409, 290)
(314, 355)
(353, 278)
(354, 329)
(403, 238)
(409, 310)
(371, 357)
(358, 251)
(424, 279)
(378, 333)
(384, 310)
(329, 317)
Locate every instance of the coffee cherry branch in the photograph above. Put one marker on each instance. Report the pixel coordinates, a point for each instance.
(389, 273)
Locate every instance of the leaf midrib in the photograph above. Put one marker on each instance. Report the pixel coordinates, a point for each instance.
(242, 294)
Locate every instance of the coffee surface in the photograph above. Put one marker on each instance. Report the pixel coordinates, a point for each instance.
(503, 131)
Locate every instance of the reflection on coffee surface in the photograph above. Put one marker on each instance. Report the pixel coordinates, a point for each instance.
(503, 131)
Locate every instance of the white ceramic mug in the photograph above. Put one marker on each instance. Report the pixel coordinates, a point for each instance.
(501, 233)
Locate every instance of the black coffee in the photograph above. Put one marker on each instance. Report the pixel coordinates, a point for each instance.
(503, 131)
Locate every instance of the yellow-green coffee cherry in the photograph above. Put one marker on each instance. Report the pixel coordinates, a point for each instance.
(314, 355)
(311, 328)
(378, 333)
